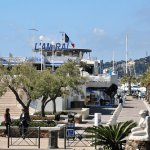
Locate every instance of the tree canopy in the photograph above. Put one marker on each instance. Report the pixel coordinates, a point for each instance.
(56, 84)
(20, 76)
(46, 84)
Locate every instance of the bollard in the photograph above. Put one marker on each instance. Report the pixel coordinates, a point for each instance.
(8, 135)
(39, 138)
(95, 139)
(65, 137)
(53, 139)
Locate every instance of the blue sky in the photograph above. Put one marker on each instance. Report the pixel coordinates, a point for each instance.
(100, 25)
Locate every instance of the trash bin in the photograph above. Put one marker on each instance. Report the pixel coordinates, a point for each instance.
(53, 139)
(57, 117)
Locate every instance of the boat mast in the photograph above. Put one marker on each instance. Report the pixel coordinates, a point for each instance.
(33, 33)
(126, 54)
(113, 60)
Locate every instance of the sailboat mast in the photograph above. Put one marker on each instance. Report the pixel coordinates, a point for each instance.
(113, 60)
(33, 33)
(126, 53)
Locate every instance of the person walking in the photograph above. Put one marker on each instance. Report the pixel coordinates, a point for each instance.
(7, 121)
(140, 95)
(23, 123)
(120, 100)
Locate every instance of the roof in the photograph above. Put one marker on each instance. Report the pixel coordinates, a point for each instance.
(69, 49)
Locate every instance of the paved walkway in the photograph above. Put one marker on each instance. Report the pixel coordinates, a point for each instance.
(131, 109)
(106, 114)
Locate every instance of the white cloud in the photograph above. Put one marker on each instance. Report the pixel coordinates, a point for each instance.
(5, 38)
(99, 32)
(10, 25)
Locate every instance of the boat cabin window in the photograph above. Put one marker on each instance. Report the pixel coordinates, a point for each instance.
(58, 53)
(38, 66)
(49, 53)
(67, 53)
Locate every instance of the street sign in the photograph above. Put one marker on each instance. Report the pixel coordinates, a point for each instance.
(70, 133)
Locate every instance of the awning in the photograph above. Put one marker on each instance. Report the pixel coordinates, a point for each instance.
(89, 91)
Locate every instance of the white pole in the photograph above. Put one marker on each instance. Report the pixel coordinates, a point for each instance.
(126, 54)
(113, 60)
(53, 44)
(41, 54)
(52, 59)
(33, 34)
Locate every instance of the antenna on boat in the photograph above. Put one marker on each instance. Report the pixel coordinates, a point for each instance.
(126, 53)
(62, 32)
(33, 33)
(62, 35)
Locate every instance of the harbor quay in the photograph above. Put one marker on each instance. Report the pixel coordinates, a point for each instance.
(129, 111)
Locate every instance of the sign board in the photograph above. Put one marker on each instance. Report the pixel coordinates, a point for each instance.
(48, 46)
(71, 120)
(97, 119)
(34, 59)
(70, 133)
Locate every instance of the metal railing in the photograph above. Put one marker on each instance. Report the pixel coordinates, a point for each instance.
(25, 138)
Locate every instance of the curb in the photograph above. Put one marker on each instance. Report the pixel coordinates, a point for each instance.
(147, 106)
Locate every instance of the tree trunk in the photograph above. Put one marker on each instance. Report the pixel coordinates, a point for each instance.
(42, 109)
(27, 111)
(43, 105)
(54, 106)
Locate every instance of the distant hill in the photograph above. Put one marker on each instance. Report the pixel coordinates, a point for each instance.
(140, 66)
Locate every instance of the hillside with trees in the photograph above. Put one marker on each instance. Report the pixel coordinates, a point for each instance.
(140, 66)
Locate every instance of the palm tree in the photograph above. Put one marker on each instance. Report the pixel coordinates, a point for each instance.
(129, 79)
(145, 81)
(111, 136)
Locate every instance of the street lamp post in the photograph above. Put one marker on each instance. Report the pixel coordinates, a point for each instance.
(41, 38)
(53, 44)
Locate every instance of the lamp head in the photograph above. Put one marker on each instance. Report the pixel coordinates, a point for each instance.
(53, 43)
(41, 38)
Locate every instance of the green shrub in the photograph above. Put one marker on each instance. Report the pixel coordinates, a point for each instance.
(2, 123)
(39, 113)
(32, 123)
(60, 113)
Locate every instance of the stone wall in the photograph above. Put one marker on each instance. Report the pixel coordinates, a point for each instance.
(137, 145)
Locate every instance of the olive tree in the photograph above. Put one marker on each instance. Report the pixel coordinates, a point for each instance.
(20, 76)
(52, 85)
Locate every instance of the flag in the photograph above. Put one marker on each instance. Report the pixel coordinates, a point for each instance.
(68, 40)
